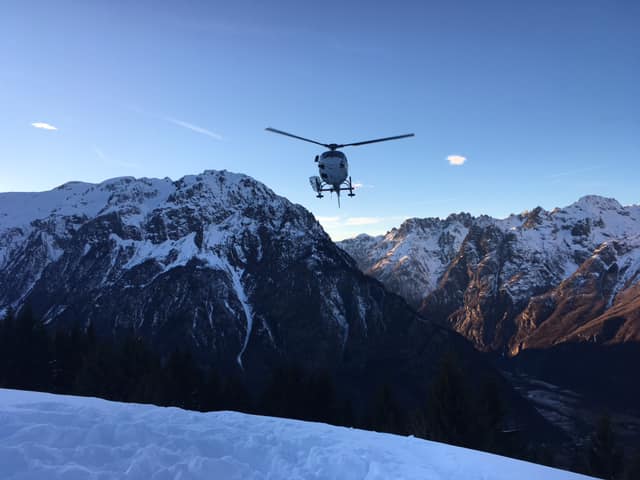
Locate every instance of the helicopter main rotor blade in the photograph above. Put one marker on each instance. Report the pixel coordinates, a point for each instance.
(269, 129)
(376, 140)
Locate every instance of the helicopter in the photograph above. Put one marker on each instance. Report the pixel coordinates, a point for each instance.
(333, 166)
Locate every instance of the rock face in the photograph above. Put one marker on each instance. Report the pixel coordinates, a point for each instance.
(411, 259)
(528, 281)
(216, 263)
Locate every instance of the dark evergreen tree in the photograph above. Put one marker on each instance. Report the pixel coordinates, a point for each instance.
(295, 393)
(417, 423)
(490, 412)
(319, 398)
(385, 414)
(235, 396)
(70, 349)
(632, 470)
(7, 348)
(212, 391)
(604, 458)
(449, 414)
(28, 353)
(540, 454)
(99, 375)
(182, 382)
(139, 370)
(281, 397)
(346, 415)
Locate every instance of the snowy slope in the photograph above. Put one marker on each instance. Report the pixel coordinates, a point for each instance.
(53, 436)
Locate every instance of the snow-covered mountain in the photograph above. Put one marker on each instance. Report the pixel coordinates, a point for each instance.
(529, 280)
(56, 436)
(215, 263)
(411, 259)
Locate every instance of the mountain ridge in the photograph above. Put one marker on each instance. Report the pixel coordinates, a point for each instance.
(489, 278)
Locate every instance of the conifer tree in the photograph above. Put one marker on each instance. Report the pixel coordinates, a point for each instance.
(182, 381)
(385, 416)
(632, 470)
(449, 409)
(489, 417)
(32, 355)
(604, 458)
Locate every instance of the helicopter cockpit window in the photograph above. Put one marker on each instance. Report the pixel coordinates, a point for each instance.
(333, 154)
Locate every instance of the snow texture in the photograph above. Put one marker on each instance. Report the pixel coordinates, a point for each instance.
(135, 201)
(55, 437)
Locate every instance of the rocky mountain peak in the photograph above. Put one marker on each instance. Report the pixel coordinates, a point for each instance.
(487, 277)
(533, 218)
(595, 203)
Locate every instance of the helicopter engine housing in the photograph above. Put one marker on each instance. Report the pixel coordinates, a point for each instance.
(333, 167)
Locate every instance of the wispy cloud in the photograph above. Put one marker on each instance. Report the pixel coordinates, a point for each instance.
(358, 185)
(328, 220)
(342, 226)
(341, 221)
(180, 123)
(99, 153)
(107, 159)
(43, 126)
(194, 128)
(356, 221)
(456, 159)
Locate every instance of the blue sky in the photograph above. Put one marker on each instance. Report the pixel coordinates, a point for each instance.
(541, 98)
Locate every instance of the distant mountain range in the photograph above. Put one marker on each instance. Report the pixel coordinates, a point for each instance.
(220, 265)
(529, 281)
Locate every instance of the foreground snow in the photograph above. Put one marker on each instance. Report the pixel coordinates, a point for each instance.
(54, 436)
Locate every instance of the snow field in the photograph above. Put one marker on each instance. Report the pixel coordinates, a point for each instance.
(46, 436)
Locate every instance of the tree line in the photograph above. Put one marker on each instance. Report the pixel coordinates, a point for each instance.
(75, 361)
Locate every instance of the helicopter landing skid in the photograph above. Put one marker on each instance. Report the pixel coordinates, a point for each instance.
(348, 187)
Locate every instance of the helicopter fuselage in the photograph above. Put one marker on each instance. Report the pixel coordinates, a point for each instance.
(333, 167)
